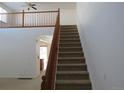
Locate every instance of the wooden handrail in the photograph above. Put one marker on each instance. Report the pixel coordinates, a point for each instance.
(30, 12)
(50, 75)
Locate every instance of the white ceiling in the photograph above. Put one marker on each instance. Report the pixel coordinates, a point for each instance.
(14, 6)
(18, 6)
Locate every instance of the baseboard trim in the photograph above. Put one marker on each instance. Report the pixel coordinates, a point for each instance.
(25, 78)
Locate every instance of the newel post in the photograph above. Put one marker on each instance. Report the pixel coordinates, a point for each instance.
(23, 18)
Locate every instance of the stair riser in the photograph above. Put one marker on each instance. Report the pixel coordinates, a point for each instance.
(71, 26)
(68, 27)
(71, 42)
(68, 34)
(68, 41)
(72, 76)
(71, 55)
(73, 87)
(69, 38)
(64, 39)
(70, 45)
(70, 49)
(72, 68)
(71, 61)
(68, 30)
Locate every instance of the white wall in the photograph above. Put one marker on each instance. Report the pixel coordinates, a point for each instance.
(19, 51)
(68, 16)
(101, 27)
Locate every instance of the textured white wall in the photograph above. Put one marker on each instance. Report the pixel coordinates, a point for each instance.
(101, 28)
(19, 51)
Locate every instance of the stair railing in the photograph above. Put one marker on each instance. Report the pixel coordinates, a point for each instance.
(50, 75)
(28, 19)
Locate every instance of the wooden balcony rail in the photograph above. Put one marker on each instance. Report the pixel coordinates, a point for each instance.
(28, 19)
(50, 75)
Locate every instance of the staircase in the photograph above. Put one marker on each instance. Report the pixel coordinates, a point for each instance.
(71, 71)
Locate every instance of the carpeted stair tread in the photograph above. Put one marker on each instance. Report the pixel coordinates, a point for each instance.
(75, 58)
(71, 64)
(71, 68)
(73, 82)
(72, 72)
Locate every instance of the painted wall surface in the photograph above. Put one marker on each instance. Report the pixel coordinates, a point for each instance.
(19, 51)
(101, 28)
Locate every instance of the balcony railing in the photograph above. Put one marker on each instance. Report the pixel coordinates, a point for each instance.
(28, 19)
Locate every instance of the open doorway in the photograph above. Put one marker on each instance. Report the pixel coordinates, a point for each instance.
(43, 58)
(45, 44)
